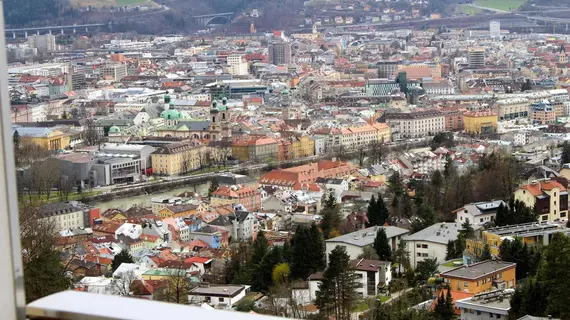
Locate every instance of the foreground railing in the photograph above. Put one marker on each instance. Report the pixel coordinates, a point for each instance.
(74, 305)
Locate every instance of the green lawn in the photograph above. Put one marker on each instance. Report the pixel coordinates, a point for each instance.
(501, 4)
(450, 263)
(129, 2)
(467, 9)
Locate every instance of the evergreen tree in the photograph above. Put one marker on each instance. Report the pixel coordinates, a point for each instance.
(444, 309)
(556, 259)
(123, 256)
(337, 293)
(402, 256)
(16, 139)
(287, 252)
(377, 212)
(516, 212)
(486, 254)
(331, 218)
(308, 254)
(214, 185)
(372, 212)
(396, 185)
(382, 246)
(260, 248)
(44, 275)
(425, 269)
(565, 152)
(262, 275)
(317, 248)
(451, 253)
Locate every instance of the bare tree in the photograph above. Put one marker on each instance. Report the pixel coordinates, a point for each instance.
(177, 289)
(122, 285)
(361, 153)
(90, 135)
(185, 163)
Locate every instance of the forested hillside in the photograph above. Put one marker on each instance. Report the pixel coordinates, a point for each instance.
(32, 12)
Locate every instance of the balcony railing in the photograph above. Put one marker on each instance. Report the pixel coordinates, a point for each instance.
(73, 305)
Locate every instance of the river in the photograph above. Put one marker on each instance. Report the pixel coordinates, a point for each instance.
(145, 200)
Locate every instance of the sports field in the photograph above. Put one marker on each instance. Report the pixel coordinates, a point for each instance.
(501, 4)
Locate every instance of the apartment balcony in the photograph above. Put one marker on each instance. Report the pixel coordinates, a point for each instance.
(72, 305)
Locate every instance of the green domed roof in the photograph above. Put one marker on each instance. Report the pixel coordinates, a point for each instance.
(114, 129)
(284, 91)
(170, 114)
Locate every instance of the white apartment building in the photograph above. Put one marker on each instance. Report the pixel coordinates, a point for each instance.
(431, 242)
(354, 242)
(417, 124)
(237, 65)
(63, 216)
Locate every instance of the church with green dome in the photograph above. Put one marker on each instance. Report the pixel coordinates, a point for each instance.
(181, 125)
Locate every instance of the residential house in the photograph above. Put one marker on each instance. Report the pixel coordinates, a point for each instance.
(371, 275)
(480, 277)
(549, 197)
(478, 213)
(334, 186)
(209, 235)
(245, 226)
(218, 295)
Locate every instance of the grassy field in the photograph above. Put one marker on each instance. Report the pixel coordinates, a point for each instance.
(467, 9)
(129, 2)
(111, 3)
(501, 4)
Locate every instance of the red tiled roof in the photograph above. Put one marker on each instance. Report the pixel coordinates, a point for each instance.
(197, 260)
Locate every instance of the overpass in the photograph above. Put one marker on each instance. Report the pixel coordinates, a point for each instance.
(37, 30)
(204, 20)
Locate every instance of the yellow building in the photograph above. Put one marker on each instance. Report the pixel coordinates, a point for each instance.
(549, 197)
(481, 277)
(303, 147)
(477, 122)
(384, 132)
(175, 211)
(530, 233)
(46, 138)
(240, 149)
(178, 158)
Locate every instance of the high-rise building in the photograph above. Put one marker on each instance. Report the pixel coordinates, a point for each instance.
(386, 69)
(44, 43)
(280, 53)
(114, 71)
(495, 28)
(237, 65)
(476, 58)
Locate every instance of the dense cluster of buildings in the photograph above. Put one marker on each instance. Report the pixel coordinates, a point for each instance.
(303, 106)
